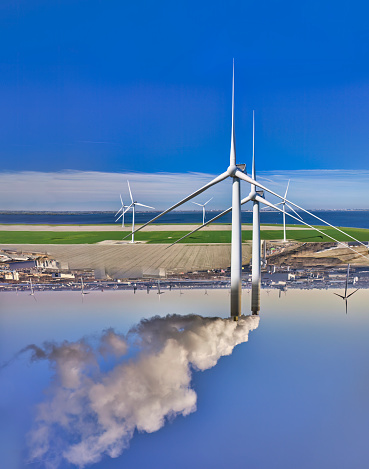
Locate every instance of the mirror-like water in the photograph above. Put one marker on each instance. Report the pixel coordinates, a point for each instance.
(183, 391)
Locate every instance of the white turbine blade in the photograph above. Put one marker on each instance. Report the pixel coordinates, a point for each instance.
(124, 211)
(339, 295)
(121, 208)
(197, 204)
(243, 201)
(142, 205)
(208, 201)
(265, 202)
(247, 178)
(253, 145)
(232, 156)
(352, 293)
(293, 211)
(219, 178)
(129, 206)
(279, 203)
(202, 226)
(120, 195)
(130, 193)
(285, 195)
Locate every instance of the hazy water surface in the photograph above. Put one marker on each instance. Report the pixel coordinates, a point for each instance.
(352, 218)
(293, 393)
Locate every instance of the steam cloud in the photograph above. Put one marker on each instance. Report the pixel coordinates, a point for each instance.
(91, 411)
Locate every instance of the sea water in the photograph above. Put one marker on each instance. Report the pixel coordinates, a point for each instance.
(351, 218)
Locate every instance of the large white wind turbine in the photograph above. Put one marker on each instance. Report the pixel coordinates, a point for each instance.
(133, 206)
(121, 210)
(203, 209)
(235, 171)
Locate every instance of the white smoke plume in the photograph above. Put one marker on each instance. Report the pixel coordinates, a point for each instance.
(91, 411)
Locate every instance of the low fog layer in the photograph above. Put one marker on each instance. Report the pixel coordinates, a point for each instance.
(102, 393)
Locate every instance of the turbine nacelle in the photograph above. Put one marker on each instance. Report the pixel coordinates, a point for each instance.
(254, 194)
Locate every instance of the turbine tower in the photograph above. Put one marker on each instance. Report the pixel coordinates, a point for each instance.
(203, 209)
(256, 259)
(236, 246)
(133, 206)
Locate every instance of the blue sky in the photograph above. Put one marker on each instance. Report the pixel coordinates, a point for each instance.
(146, 86)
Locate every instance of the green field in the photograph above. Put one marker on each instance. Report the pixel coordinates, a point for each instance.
(166, 237)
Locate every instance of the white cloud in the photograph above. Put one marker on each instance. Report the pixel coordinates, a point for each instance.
(88, 190)
(90, 412)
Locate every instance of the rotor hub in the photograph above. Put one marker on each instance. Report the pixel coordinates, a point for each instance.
(231, 170)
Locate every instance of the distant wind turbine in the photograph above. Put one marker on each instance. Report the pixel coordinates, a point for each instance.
(284, 204)
(203, 209)
(121, 210)
(133, 206)
(32, 290)
(346, 296)
(83, 292)
(159, 292)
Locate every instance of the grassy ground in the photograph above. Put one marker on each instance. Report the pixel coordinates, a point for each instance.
(164, 237)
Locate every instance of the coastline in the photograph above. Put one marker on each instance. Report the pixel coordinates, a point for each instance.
(149, 228)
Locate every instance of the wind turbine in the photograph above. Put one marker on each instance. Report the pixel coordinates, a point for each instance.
(283, 203)
(121, 210)
(133, 206)
(159, 292)
(32, 290)
(346, 296)
(83, 292)
(203, 209)
(236, 172)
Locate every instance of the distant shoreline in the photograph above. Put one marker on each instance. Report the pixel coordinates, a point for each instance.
(78, 212)
(152, 227)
